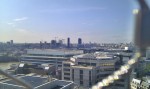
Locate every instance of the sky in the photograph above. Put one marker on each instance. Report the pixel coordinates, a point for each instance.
(100, 21)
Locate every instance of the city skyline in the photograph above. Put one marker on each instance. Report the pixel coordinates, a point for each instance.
(93, 21)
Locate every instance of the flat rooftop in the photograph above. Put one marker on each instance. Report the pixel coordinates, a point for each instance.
(54, 51)
(37, 82)
(43, 57)
(57, 87)
(96, 56)
(32, 80)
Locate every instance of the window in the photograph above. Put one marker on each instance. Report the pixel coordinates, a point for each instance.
(73, 74)
(59, 62)
(66, 69)
(90, 76)
(81, 71)
(66, 73)
(59, 65)
(90, 84)
(93, 64)
(66, 65)
(97, 71)
(81, 77)
(81, 82)
(66, 78)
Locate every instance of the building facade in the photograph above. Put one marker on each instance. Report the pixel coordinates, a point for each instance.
(87, 69)
(49, 56)
(143, 83)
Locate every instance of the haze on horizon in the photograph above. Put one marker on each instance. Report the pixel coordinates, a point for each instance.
(98, 21)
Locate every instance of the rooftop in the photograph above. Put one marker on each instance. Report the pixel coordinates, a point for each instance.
(34, 81)
(42, 56)
(136, 80)
(97, 55)
(37, 82)
(54, 51)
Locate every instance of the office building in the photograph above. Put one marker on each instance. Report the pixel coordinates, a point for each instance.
(68, 42)
(53, 44)
(49, 56)
(79, 41)
(79, 45)
(11, 42)
(87, 69)
(43, 69)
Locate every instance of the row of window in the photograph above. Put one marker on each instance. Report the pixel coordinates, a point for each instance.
(51, 55)
(107, 64)
(66, 73)
(85, 63)
(37, 60)
(66, 65)
(44, 58)
(66, 78)
(65, 69)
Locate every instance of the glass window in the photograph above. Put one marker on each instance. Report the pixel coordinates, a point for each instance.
(81, 71)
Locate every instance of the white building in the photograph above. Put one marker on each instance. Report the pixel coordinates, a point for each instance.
(143, 83)
(49, 56)
(87, 69)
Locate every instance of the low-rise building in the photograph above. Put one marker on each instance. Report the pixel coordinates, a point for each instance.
(49, 56)
(87, 69)
(143, 83)
(135, 83)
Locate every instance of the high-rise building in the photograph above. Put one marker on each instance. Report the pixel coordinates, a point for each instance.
(11, 42)
(68, 42)
(53, 44)
(79, 41)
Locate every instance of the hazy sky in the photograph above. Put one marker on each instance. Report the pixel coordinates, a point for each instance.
(43, 20)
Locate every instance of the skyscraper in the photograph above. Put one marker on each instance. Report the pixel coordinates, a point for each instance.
(79, 41)
(11, 41)
(68, 42)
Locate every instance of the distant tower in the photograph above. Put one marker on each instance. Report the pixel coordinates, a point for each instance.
(53, 43)
(11, 41)
(41, 44)
(68, 42)
(79, 41)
